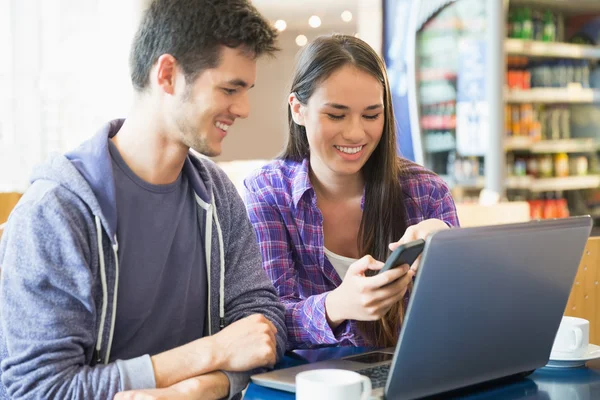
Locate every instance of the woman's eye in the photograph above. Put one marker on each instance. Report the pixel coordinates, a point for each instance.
(335, 117)
(372, 117)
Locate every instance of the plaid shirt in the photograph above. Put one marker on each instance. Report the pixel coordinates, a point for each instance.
(282, 207)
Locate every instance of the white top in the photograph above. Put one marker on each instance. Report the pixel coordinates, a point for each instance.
(340, 263)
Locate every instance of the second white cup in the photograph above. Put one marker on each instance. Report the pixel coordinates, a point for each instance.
(332, 384)
(572, 338)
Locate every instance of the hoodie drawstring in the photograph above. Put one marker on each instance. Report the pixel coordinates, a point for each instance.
(207, 251)
(105, 296)
(222, 270)
(211, 212)
(104, 290)
(115, 297)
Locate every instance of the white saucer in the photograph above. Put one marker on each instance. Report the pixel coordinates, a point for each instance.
(592, 352)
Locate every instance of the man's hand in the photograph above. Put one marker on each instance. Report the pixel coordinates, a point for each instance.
(242, 346)
(247, 344)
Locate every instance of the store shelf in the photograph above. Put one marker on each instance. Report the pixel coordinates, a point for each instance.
(553, 184)
(435, 122)
(534, 48)
(436, 74)
(569, 7)
(440, 149)
(513, 143)
(553, 95)
(473, 183)
(551, 146)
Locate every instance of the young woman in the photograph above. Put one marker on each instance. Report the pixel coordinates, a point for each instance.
(330, 209)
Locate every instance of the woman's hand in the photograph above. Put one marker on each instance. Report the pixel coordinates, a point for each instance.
(366, 298)
(420, 231)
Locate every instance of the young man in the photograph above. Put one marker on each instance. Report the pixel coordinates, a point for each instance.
(130, 264)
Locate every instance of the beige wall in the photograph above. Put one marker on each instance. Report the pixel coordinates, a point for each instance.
(263, 134)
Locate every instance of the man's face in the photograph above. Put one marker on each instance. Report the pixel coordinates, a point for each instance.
(211, 104)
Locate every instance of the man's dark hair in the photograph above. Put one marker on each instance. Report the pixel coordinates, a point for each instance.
(193, 32)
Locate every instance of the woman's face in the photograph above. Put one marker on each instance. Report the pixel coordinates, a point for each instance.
(344, 121)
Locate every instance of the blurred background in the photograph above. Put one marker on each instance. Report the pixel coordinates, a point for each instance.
(501, 98)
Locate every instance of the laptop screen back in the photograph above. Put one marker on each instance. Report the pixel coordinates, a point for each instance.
(486, 304)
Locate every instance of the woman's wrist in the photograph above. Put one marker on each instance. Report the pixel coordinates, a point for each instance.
(333, 312)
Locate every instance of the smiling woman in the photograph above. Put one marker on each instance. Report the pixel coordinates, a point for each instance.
(343, 121)
(339, 191)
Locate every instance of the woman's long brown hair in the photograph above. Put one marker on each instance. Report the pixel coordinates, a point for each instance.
(384, 216)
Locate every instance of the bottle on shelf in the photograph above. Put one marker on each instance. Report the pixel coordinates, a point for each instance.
(578, 165)
(561, 165)
(516, 23)
(545, 166)
(527, 24)
(549, 34)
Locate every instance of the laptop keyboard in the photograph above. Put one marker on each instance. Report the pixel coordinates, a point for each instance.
(378, 375)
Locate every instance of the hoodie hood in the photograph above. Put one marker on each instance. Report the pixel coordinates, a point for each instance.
(87, 172)
(92, 160)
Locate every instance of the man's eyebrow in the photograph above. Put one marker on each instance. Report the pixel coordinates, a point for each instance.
(240, 83)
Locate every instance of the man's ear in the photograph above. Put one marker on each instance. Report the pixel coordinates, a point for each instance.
(297, 109)
(166, 73)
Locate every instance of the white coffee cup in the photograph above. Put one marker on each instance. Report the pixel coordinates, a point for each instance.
(332, 384)
(572, 338)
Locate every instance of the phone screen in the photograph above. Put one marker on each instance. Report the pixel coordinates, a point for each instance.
(404, 254)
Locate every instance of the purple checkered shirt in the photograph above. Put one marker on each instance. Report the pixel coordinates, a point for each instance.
(282, 207)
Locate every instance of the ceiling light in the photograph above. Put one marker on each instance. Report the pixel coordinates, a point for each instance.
(280, 25)
(314, 21)
(301, 40)
(346, 16)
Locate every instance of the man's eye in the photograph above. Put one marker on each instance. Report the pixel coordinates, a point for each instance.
(229, 91)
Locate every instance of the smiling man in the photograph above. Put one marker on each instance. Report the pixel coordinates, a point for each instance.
(129, 267)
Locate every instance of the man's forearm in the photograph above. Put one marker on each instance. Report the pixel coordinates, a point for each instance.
(191, 360)
(214, 385)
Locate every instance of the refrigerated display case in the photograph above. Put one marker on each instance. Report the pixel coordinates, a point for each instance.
(552, 100)
(509, 99)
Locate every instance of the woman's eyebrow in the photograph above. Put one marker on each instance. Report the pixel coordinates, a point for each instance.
(343, 107)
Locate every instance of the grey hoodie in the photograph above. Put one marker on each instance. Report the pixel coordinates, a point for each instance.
(60, 274)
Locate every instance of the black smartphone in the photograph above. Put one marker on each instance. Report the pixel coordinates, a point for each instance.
(404, 254)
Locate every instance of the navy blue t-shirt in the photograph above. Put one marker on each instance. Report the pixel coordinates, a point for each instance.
(162, 295)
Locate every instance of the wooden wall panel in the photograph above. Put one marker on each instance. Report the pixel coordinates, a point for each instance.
(7, 202)
(584, 301)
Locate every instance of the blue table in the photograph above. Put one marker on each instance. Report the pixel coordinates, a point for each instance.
(545, 383)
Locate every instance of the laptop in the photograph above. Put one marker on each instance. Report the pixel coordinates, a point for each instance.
(486, 306)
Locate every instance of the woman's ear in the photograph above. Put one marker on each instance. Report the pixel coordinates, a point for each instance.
(297, 109)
